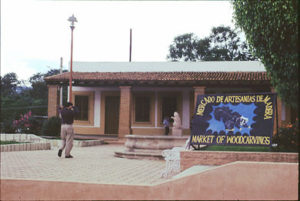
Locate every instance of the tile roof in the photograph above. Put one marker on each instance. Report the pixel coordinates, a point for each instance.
(162, 76)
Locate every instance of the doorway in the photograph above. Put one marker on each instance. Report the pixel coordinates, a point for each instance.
(169, 106)
(112, 107)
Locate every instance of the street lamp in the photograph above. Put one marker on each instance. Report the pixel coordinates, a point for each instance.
(71, 19)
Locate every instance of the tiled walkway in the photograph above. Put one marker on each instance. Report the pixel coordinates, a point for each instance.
(90, 165)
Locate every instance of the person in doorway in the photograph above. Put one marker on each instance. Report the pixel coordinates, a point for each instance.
(67, 113)
(166, 123)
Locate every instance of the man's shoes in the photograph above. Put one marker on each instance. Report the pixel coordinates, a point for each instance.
(59, 152)
(70, 156)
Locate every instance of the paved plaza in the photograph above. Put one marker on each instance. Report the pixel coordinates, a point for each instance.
(95, 174)
(95, 164)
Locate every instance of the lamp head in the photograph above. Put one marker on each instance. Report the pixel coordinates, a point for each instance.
(72, 19)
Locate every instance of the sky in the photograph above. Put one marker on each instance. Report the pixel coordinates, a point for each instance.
(35, 34)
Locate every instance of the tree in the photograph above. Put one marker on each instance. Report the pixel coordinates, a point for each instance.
(184, 47)
(271, 28)
(11, 107)
(9, 84)
(34, 99)
(223, 44)
(39, 86)
(39, 91)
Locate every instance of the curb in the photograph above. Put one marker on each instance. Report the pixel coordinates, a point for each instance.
(88, 143)
(25, 147)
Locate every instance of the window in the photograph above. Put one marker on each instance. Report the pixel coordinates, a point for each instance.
(169, 106)
(82, 103)
(142, 109)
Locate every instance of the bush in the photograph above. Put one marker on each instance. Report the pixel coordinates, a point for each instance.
(287, 139)
(26, 124)
(22, 124)
(51, 127)
(35, 126)
(7, 127)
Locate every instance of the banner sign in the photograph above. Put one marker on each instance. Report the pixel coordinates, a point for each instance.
(233, 119)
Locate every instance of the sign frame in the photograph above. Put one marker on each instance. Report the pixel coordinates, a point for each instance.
(211, 110)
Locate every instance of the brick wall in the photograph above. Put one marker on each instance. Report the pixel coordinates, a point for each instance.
(52, 100)
(191, 158)
(125, 102)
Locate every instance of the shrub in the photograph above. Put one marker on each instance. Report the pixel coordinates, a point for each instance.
(35, 125)
(22, 125)
(51, 127)
(287, 139)
(26, 124)
(7, 127)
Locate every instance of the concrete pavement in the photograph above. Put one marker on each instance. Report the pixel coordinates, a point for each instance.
(90, 165)
(95, 174)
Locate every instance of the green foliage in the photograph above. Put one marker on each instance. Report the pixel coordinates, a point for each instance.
(39, 87)
(17, 102)
(184, 47)
(237, 148)
(27, 124)
(271, 28)
(287, 139)
(223, 44)
(10, 142)
(35, 126)
(9, 83)
(51, 127)
(7, 127)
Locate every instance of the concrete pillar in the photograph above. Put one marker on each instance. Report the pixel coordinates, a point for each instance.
(198, 90)
(52, 100)
(186, 109)
(278, 109)
(125, 111)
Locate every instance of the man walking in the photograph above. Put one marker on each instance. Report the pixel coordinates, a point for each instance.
(67, 131)
(166, 123)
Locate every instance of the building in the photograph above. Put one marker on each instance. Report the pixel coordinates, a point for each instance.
(133, 97)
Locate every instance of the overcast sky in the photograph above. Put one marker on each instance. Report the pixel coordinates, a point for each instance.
(35, 34)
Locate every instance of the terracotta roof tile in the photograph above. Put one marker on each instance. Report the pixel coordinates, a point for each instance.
(162, 76)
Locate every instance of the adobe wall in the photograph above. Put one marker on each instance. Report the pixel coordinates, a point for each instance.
(191, 158)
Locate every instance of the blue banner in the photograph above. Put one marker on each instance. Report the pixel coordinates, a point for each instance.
(233, 119)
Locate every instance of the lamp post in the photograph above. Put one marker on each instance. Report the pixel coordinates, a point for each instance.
(71, 19)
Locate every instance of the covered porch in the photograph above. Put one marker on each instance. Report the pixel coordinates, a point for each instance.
(136, 102)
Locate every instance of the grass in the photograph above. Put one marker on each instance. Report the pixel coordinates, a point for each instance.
(58, 138)
(237, 148)
(10, 142)
(50, 137)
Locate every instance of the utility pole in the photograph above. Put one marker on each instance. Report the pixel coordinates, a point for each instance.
(61, 88)
(130, 45)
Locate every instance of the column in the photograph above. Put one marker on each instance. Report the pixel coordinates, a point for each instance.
(198, 90)
(52, 100)
(125, 117)
(156, 109)
(186, 109)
